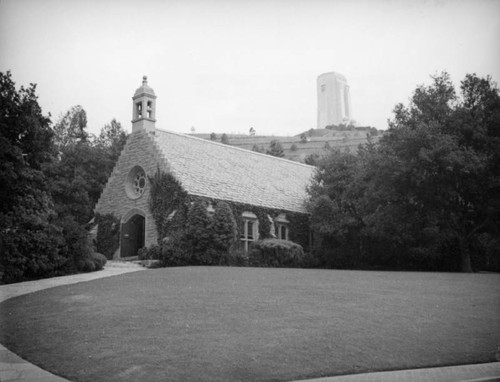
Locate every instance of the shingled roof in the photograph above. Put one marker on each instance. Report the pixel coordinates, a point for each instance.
(219, 171)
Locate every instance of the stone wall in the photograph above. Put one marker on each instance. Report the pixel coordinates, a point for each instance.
(140, 151)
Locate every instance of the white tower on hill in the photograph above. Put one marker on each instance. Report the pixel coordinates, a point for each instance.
(334, 100)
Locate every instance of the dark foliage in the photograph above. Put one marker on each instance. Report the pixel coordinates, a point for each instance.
(49, 182)
(108, 234)
(77, 249)
(175, 251)
(32, 248)
(236, 257)
(223, 230)
(199, 234)
(427, 197)
(312, 159)
(153, 252)
(167, 203)
(275, 149)
(276, 253)
(29, 240)
(83, 166)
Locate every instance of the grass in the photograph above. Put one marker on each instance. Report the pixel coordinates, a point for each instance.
(244, 324)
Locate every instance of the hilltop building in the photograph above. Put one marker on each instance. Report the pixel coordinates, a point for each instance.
(334, 100)
(267, 194)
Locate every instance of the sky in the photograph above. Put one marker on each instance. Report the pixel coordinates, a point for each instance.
(227, 65)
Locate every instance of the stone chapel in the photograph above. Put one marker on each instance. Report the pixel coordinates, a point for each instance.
(261, 186)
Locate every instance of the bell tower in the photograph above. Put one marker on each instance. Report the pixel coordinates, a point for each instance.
(144, 108)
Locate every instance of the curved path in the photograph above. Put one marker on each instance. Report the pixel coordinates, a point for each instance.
(14, 368)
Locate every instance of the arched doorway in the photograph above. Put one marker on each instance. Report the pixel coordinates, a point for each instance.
(132, 235)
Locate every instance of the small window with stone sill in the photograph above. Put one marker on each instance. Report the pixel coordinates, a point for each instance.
(249, 229)
(282, 227)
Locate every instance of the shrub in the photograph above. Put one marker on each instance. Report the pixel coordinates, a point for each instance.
(234, 258)
(223, 230)
(276, 253)
(86, 265)
(310, 261)
(108, 234)
(99, 260)
(152, 252)
(275, 149)
(78, 249)
(166, 196)
(31, 249)
(94, 262)
(174, 251)
(198, 233)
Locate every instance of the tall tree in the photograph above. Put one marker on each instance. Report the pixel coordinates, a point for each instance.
(83, 166)
(29, 241)
(199, 234)
(71, 127)
(444, 146)
(430, 189)
(71, 180)
(34, 240)
(112, 138)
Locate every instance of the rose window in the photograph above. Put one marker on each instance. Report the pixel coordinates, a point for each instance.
(136, 182)
(139, 183)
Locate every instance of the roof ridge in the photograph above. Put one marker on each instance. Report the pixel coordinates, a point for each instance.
(271, 157)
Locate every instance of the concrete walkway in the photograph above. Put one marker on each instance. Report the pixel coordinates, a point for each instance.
(14, 368)
(467, 373)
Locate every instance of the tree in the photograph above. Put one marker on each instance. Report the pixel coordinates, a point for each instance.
(449, 173)
(30, 242)
(81, 168)
(25, 142)
(199, 234)
(166, 203)
(429, 191)
(275, 149)
(312, 159)
(257, 148)
(223, 230)
(71, 126)
(213, 137)
(112, 138)
(224, 139)
(338, 207)
(35, 240)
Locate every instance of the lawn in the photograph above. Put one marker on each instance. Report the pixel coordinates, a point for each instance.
(254, 324)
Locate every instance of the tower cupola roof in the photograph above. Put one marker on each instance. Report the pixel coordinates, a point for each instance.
(145, 89)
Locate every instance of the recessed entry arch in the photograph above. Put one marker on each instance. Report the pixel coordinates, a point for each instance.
(133, 232)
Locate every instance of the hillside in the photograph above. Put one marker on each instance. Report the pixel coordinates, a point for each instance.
(299, 147)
